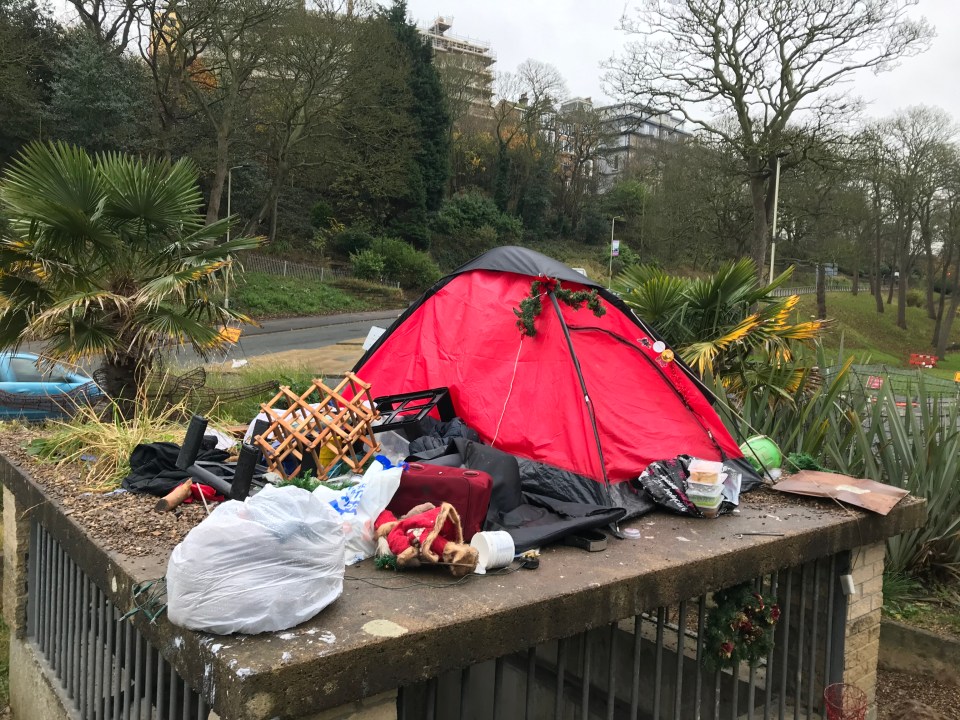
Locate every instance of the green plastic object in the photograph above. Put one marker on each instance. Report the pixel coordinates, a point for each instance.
(762, 452)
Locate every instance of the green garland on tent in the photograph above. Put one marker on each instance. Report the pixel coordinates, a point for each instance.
(740, 628)
(532, 305)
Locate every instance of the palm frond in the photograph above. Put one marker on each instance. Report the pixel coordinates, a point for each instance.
(154, 192)
(175, 283)
(55, 198)
(168, 323)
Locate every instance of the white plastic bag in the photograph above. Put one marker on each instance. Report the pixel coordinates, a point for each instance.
(359, 506)
(268, 563)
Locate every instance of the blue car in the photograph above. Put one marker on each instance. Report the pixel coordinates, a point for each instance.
(32, 392)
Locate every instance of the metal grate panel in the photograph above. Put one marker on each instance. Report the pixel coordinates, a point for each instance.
(106, 668)
(650, 667)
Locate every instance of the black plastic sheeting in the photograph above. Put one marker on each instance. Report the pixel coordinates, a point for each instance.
(553, 482)
(153, 466)
(532, 519)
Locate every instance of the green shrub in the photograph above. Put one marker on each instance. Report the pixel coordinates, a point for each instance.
(468, 225)
(916, 299)
(414, 270)
(368, 264)
(470, 211)
(321, 214)
(916, 448)
(594, 227)
(452, 251)
(831, 417)
(350, 241)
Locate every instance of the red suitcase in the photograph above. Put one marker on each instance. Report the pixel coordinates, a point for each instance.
(467, 490)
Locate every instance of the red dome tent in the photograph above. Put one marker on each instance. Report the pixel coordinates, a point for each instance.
(587, 394)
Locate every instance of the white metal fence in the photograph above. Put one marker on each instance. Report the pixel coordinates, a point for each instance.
(831, 286)
(285, 268)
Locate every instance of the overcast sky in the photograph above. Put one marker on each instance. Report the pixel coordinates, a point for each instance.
(577, 36)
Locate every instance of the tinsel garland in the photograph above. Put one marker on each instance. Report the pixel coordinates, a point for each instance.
(740, 628)
(532, 305)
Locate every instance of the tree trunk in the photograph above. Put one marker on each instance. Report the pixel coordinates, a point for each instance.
(273, 218)
(122, 378)
(893, 277)
(501, 187)
(931, 304)
(877, 281)
(855, 288)
(926, 235)
(902, 287)
(946, 324)
(941, 303)
(761, 231)
(821, 291)
(269, 207)
(219, 176)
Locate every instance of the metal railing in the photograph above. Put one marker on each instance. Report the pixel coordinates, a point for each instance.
(651, 666)
(106, 668)
(286, 268)
(831, 286)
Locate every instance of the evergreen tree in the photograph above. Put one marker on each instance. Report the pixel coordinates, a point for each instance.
(430, 169)
(99, 97)
(29, 40)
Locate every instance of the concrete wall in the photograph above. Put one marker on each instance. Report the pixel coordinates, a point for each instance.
(911, 649)
(862, 641)
(375, 707)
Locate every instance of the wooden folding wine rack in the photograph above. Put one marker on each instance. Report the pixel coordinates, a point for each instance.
(320, 418)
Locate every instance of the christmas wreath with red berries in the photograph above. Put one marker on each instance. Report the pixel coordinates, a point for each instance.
(740, 628)
(531, 306)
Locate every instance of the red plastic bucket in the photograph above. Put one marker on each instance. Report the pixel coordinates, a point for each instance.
(845, 702)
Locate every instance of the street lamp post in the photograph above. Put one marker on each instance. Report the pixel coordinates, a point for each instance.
(613, 222)
(773, 229)
(226, 280)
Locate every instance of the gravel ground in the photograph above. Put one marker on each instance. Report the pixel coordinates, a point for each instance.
(902, 696)
(122, 522)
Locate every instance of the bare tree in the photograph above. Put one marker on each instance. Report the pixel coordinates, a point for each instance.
(769, 64)
(304, 79)
(524, 100)
(115, 22)
(950, 254)
(582, 133)
(914, 144)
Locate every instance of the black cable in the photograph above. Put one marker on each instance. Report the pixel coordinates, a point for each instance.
(413, 582)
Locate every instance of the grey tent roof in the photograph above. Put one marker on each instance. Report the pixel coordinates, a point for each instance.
(524, 261)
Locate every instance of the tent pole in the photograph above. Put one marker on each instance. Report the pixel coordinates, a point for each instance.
(586, 396)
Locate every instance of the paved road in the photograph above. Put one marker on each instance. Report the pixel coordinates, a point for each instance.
(305, 333)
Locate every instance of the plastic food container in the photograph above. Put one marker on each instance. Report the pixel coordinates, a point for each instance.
(705, 472)
(711, 488)
(707, 499)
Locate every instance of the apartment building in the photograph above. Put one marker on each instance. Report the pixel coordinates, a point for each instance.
(468, 61)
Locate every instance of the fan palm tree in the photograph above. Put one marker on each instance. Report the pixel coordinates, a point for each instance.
(108, 257)
(728, 325)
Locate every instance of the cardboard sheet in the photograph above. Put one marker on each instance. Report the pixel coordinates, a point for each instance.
(866, 494)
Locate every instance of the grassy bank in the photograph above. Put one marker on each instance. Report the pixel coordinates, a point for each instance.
(874, 337)
(271, 296)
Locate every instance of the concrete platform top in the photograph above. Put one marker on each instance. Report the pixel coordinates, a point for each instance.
(390, 629)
